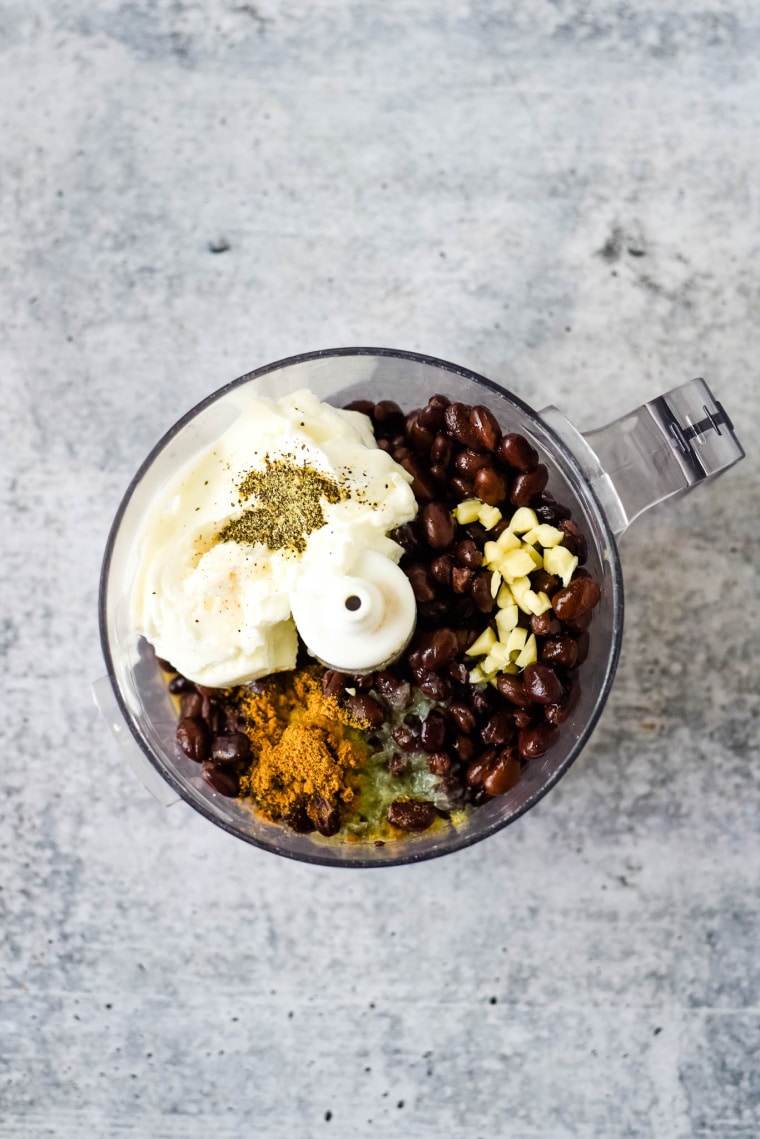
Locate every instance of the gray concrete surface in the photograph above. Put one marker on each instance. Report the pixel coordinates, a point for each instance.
(562, 194)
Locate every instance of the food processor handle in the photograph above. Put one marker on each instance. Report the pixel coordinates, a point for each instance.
(663, 448)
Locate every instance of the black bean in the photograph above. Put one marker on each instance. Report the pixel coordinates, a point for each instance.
(562, 651)
(579, 624)
(512, 689)
(503, 774)
(423, 484)
(439, 762)
(393, 689)
(430, 614)
(534, 742)
(231, 748)
(431, 417)
(481, 700)
(366, 709)
(543, 582)
(442, 450)
(515, 450)
(452, 786)
(548, 503)
(362, 681)
(526, 717)
(480, 591)
(478, 768)
(411, 814)
(334, 683)
(466, 553)
(558, 713)
(500, 728)
(463, 747)
(458, 672)
(194, 738)
(298, 820)
(421, 581)
(211, 712)
(458, 425)
(222, 780)
(405, 736)
(463, 716)
(468, 462)
(181, 684)
(421, 438)
(461, 488)
(324, 815)
(434, 686)
(440, 569)
(461, 577)
(438, 525)
(485, 427)
(409, 537)
(364, 406)
(542, 684)
(191, 705)
(528, 484)
(576, 599)
(433, 731)
(438, 649)
(491, 486)
(388, 418)
(545, 624)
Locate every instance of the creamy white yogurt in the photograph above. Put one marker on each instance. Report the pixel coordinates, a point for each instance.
(220, 610)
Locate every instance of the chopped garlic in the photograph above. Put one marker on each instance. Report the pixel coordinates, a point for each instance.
(504, 597)
(561, 562)
(523, 519)
(520, 587)
(492, 555)
(483, 643)
(489, 516)
(489, 666)
(499, 653)
(536, 558)
(506, 620)
(544, 535)
(538, 603)
(516, 641)
(508, 540)
(529, 654)
(467, 511)
(526, 545)
(517, 563)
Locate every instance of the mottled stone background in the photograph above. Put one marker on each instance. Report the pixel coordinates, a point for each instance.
(559, 193)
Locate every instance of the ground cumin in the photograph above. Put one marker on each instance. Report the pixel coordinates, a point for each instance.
(302, 742)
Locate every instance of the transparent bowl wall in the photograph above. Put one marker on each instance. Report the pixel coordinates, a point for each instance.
(337, 377)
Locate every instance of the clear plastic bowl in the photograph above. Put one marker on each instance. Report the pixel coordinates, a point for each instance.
(135, 695)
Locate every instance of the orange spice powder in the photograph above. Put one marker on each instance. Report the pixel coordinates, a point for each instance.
(303, 743)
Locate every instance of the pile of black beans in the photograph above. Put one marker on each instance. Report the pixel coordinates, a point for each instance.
(477, 738)
(209, 732)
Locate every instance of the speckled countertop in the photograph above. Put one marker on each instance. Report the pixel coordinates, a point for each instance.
(562, 194)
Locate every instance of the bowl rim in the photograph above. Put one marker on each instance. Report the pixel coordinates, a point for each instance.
(458, 841)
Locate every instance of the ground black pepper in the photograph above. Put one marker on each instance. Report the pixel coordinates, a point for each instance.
(288, 506)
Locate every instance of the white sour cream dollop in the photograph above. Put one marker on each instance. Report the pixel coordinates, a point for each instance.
(219, 610)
